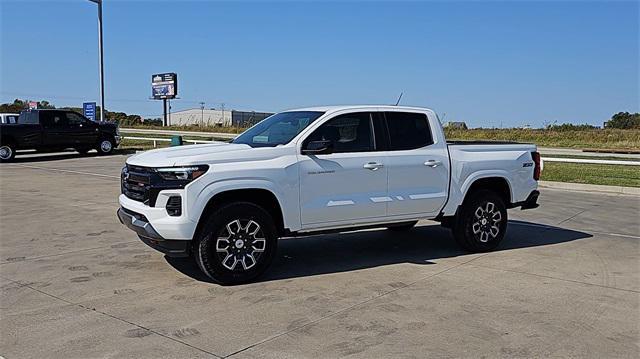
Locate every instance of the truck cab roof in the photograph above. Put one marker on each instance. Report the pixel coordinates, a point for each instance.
(360, 107)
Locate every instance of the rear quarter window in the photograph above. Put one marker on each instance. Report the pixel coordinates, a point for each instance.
(28, 117)
(408, 131)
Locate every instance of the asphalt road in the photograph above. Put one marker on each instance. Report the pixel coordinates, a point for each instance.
(77, 284)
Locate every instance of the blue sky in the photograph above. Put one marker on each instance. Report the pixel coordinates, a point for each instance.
(489, 63)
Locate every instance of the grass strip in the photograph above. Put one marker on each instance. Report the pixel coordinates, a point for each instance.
(609, 175)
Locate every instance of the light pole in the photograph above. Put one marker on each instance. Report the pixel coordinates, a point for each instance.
(202, 118)
(99, 2)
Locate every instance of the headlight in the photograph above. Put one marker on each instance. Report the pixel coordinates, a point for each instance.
(188, 173)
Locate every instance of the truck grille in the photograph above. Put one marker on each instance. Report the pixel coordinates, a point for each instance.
(136, 184)
(143, 184)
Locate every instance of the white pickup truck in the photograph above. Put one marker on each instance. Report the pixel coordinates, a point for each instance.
(316, 170)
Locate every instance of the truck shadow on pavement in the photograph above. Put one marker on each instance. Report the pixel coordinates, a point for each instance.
(344, 252)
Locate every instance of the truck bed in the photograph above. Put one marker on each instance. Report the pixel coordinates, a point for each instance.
(501, 159)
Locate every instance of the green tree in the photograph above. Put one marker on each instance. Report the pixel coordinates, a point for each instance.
(19, 105)
(624, 120)
(570, 127)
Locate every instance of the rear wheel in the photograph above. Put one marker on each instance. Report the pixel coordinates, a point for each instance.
(481, 222)
(105, 146)
(237, 243)
(7, 152)
(402, 227)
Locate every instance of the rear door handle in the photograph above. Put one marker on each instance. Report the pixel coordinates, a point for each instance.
(433, 163)
(373, 165)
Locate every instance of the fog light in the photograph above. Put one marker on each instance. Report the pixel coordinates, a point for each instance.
(174, 206)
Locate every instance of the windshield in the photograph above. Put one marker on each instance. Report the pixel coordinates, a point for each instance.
(278, 129)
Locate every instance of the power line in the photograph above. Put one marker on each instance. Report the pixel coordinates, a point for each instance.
(57, 97)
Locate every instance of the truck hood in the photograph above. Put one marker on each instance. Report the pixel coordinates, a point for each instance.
(203, 154)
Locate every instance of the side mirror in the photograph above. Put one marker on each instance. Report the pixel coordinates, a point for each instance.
(324, 147)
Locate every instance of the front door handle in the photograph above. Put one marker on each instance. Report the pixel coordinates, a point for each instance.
(373, 165)
(433, 163)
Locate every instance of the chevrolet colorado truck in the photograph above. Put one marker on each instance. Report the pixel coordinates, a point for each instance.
(322, 169)
(54, 130)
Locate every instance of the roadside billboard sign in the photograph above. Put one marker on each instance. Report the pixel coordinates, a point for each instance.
(164, 86)
(89, 110)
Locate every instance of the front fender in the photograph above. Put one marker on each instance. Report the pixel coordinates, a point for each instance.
(198, 198)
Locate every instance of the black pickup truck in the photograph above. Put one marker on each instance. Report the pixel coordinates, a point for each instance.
(55, 130)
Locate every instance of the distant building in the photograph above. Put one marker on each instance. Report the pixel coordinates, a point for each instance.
(213, 117)
(247, 118)
(196, 116)
(456, 125)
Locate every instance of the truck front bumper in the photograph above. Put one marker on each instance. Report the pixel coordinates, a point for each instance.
(147, 234)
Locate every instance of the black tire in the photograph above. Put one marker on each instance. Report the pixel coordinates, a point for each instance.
(481, 222)
(106, 146)
(7, 152)
(402, 227)
(219, 258)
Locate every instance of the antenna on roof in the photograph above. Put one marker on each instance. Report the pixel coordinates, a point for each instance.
(399, 97)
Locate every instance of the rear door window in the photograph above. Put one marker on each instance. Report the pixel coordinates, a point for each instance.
(53, 119)
(408, 131)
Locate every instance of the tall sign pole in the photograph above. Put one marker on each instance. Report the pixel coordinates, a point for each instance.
(99, 2)
(164, 87)
(164, 118)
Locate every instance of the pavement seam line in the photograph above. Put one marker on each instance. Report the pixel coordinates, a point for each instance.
(70, 252)
(584, 210)
(26, 285)
(556, 278)
(68, 171)
(572, 217)
(352, 307)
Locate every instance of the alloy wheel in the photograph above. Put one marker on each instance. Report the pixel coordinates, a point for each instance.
(240, 244)
(105, 146)
(486, 224)
(5, 152)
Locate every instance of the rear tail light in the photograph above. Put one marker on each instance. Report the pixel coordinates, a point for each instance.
(537, 168)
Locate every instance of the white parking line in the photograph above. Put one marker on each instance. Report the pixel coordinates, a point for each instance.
(66, 171)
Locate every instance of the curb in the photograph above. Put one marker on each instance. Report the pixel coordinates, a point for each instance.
(634, 191)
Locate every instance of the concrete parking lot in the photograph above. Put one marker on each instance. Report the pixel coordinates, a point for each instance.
(77, 284)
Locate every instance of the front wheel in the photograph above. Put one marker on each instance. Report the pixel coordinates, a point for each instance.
(237, 243)
(7, 153)
(481, 222)
(105, 146)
